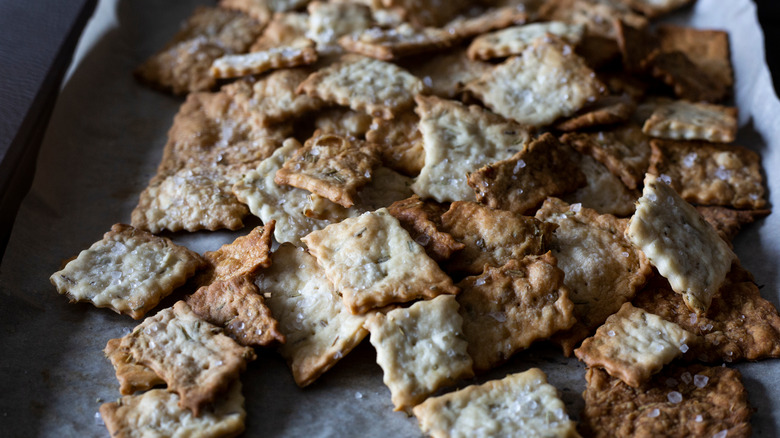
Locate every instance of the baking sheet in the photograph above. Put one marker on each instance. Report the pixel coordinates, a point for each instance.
(101, 148)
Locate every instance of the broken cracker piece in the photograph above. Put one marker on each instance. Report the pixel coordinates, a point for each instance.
(343, 121)
(132, 376)
(283, 29)
(129, 271)
(657, 8)
(241, 258)
(299, 52)
(514, 40)
(374, 262)
(401, 142)
(467, 26)
(446, 74)
(420, 349)
(328, 21)
(403, 40)
(603, 192)
(422, 220)
(681, 120)
(706, 48)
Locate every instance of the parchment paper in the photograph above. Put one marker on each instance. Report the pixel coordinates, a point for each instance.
(103, 144)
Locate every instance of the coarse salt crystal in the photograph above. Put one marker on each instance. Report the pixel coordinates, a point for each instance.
(99, 420)
(700, 381)
(674, 397)
(699, 419)
(686, 377)
(654, 413)
(722, 434)
(684, 348)
(358, 395)
(611, 333)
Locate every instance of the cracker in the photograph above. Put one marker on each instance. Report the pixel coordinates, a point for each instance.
(547, 82)
(545, 167)
(457, 140)
(318, 328)
(521, 404)
(193, 357)
(492, 237)
(720, 406)
(625, 151)
(263, 10)
(394, 43)
(386, 187)
(707, 49)
(604, 192)
(605, 111)
(422, 220)
(426, 12)
(374, 262)
(331, 166)
(129, 271)
(739, 325)
(657, 8)
(727, 222)
(514, 40)
(157, 413)
(132, 376)
(344, 122)
(183, 64)
(681, 120)
(236, 306)
(299, 52)
(710, 173)
(241, 258)
(687, 80)
(636, 45)
(598, 16)
(603, 270)
(420, 349)
(401, 142)
(446, 74)
(507, 308)
(330, 21)
(466, 26)
(364, 84)
(282, 30)
(632, 345)
(680, 244)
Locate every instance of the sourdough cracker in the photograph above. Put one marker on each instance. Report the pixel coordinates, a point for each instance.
(263, 10)
(129, 271)
(424, 12)
(343, 121)
(394, 43)
(680, 244)
(608, 110)
(446, 74)
(374, 262)
(132, 376)
(422, 220)
(726, 221)
(420, 349)
(707, 49)
(514, 40)
(657, 8)
(330, 21)
(598, 16)
(299, 52)
(681, 120)
(521, 404)
(401, 142)
(603, 191)
(283, 30)
(686, 79)
(507, 308)
(243, 257)
(467, 26)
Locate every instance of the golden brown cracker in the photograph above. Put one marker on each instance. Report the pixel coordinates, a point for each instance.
(726, 221)
(446, 74)
(598, 16)
(608, 110)
(344, 122)
(708, 49)
(603, 191)
(681, 120)
(132, 376)
(282, 30)
(401, 143)
(657, 8)
(687, 79)
(514, 40)
(467, 26)
(422, 220)
(298, 53)
(398, 42)
(241, 258)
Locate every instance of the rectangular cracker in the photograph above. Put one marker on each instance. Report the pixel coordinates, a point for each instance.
(520, 404)
(420, 349)
(243, 257)
(710, 173)
(671, 404)
(506, 309)
(545, 167)
(514, 40)
(298, 53)
(547, 82)
(681, 120)
(318, 328)
(132, 376)
(330, 21)
(492, 237)
(459, 139)
(688, 80)
(364, 84)
(632, 345)
(331, 166)
(603, 191)
(401, 142)
(129, 271)
(447, 73)
(708, 49)
(422, 220)
(157, 413)
(374, 262)
(394, 43)
(194, 358)
(684, 248)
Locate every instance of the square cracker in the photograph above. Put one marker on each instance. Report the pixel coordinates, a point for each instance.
(707, 49)
(710, 173)
(129, 271)
(681, 120)
(243, 257)
(514, 40)
(422, 220)
(318, 328)
(397, 42)
(603, 270)
(613, 408)
(545, 167)
(492, 237)
(132, 376)
(364, 84)
(157, 413)
(299, 52)
(603, 192)
(236, 306)
(401, 142)
(684, 248)
(632, 345)
(520, 404)
(331, 166)
(459, 139)
(374, 262)
(193, 357)
(507, 308)
(547, 82)
(447, 73)
(420, 349)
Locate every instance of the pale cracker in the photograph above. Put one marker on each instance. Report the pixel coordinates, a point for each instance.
(318, 328)
(299, 52)
(684, 248)
(401, 142)
(710, 173)
(330, 21)
(343, 121)
(603, 192)
(681, 120)
(390, 44)
(129, 271)
(193, 357)
(608, 110)
(243, 257)
(282, 30)
(520, 404)
(457, 140)
(331, 166)
(507, 308)
(514, 40)
(236, 306)
(446, 74)
(545, 167)
(132, 376)
(492, 237)
(374, 262)
(420, 349)
(364, 84)
(632, 345)
(422, 220)
(467, 26)
(547, 82)
(156, 413)
(598, 16)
